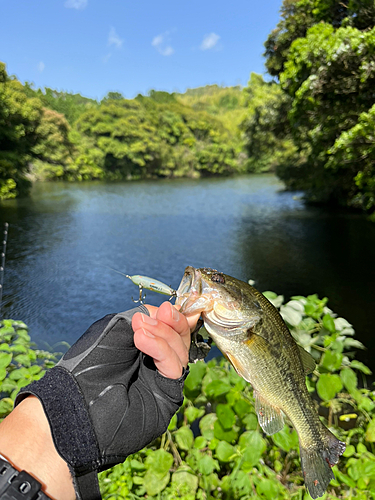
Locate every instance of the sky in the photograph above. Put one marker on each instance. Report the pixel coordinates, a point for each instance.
(92, 47)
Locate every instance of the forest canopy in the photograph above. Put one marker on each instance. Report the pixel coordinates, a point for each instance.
(311, 119)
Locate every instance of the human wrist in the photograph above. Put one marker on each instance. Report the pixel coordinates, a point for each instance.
(26, 442)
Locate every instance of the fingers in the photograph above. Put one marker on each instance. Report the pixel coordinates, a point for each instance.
(165, 336)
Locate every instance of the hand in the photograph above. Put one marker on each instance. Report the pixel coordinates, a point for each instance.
(165, 337)
(105, 399)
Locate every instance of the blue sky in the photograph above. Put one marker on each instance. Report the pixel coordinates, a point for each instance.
(96, 46)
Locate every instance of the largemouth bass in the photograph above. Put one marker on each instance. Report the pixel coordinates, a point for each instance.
(250, 332)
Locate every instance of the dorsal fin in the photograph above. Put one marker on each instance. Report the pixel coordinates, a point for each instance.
(308, 362)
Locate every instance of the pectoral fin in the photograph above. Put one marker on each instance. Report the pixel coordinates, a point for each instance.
(270, 419)
(308, 362)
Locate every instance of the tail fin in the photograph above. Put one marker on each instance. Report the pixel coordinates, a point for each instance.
(317, 461)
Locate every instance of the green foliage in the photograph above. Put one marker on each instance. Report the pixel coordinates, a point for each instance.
(297, 16)
(228, 104)
(20, 362)
(153, 136)
(53, 153)
(214, 447)
(19, 119)
(266, 128)
(323, 53)
(68, 104)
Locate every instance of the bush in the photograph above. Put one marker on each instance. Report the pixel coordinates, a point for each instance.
(214, 447)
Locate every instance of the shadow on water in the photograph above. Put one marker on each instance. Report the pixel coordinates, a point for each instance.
(63, 238)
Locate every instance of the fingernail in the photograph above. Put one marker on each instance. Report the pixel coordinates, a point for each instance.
(175, 313)
(148, 334)
(149, 321)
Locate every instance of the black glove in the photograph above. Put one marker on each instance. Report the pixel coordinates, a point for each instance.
(104, 400)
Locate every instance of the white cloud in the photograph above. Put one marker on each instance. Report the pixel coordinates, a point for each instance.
(106, 58)
(41, 66)
(161, 44)
(114, 39)
(76, 4)
(209, 41)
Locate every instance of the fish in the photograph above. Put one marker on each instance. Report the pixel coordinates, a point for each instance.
(252, 335)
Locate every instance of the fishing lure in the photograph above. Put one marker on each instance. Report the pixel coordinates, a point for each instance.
(199, 347)
(150, 284)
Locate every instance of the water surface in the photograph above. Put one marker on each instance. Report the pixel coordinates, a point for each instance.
(63, 238)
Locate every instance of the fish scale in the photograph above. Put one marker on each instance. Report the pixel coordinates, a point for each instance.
(250, 332)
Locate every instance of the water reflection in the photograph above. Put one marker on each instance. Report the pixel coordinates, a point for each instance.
(62, 239)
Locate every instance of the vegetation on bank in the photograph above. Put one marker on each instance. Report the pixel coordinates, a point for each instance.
(214, 447)
(313, 123)
(322, 53)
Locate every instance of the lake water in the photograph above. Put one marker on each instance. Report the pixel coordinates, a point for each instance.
(65, 236)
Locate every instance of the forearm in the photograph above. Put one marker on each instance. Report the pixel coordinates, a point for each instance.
(26, 441)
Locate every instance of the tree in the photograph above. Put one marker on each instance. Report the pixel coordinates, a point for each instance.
(19, 119)
(331, 76)
(53, 152)
(326, 67)
(300, 15)
(155, 136)
(267, 134)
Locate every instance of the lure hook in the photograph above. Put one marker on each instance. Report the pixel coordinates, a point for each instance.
(141, 299)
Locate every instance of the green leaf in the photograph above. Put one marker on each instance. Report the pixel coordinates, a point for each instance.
(159, 461)
(329, 323)
(225, 452)
(6, 330)
(19, 374)
(252, 446)
(224, 434)
(360, 366)
(291, 315)
(196, 373)
(270, 295)
(267, 488)
(286, 439)
(3, 374)
(349, 342)
(343, 478)
(349, 451)
(154, 483)
(331, 360)
(6, 406)
(23, 359)
(206, 425)
(5, 359)
(370, 432)
(328, 386)
(183, 478)
(207, 464)
(242, 408)
(349, 379)
(250, 421)
(226, 416)
(217, 388)
(184, 438)
(200, 442)
(173, 423)
(192, 413)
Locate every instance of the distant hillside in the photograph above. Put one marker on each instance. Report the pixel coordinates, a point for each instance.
(226, 103)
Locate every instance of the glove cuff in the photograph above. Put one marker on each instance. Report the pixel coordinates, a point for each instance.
(71, 427)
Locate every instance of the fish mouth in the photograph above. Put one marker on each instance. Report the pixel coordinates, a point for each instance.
(195, 292)
(192, 293)
(187, 282)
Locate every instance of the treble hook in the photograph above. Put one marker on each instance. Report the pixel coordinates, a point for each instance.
(141, 299)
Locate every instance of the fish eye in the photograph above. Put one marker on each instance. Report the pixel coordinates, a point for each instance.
(218, 278)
